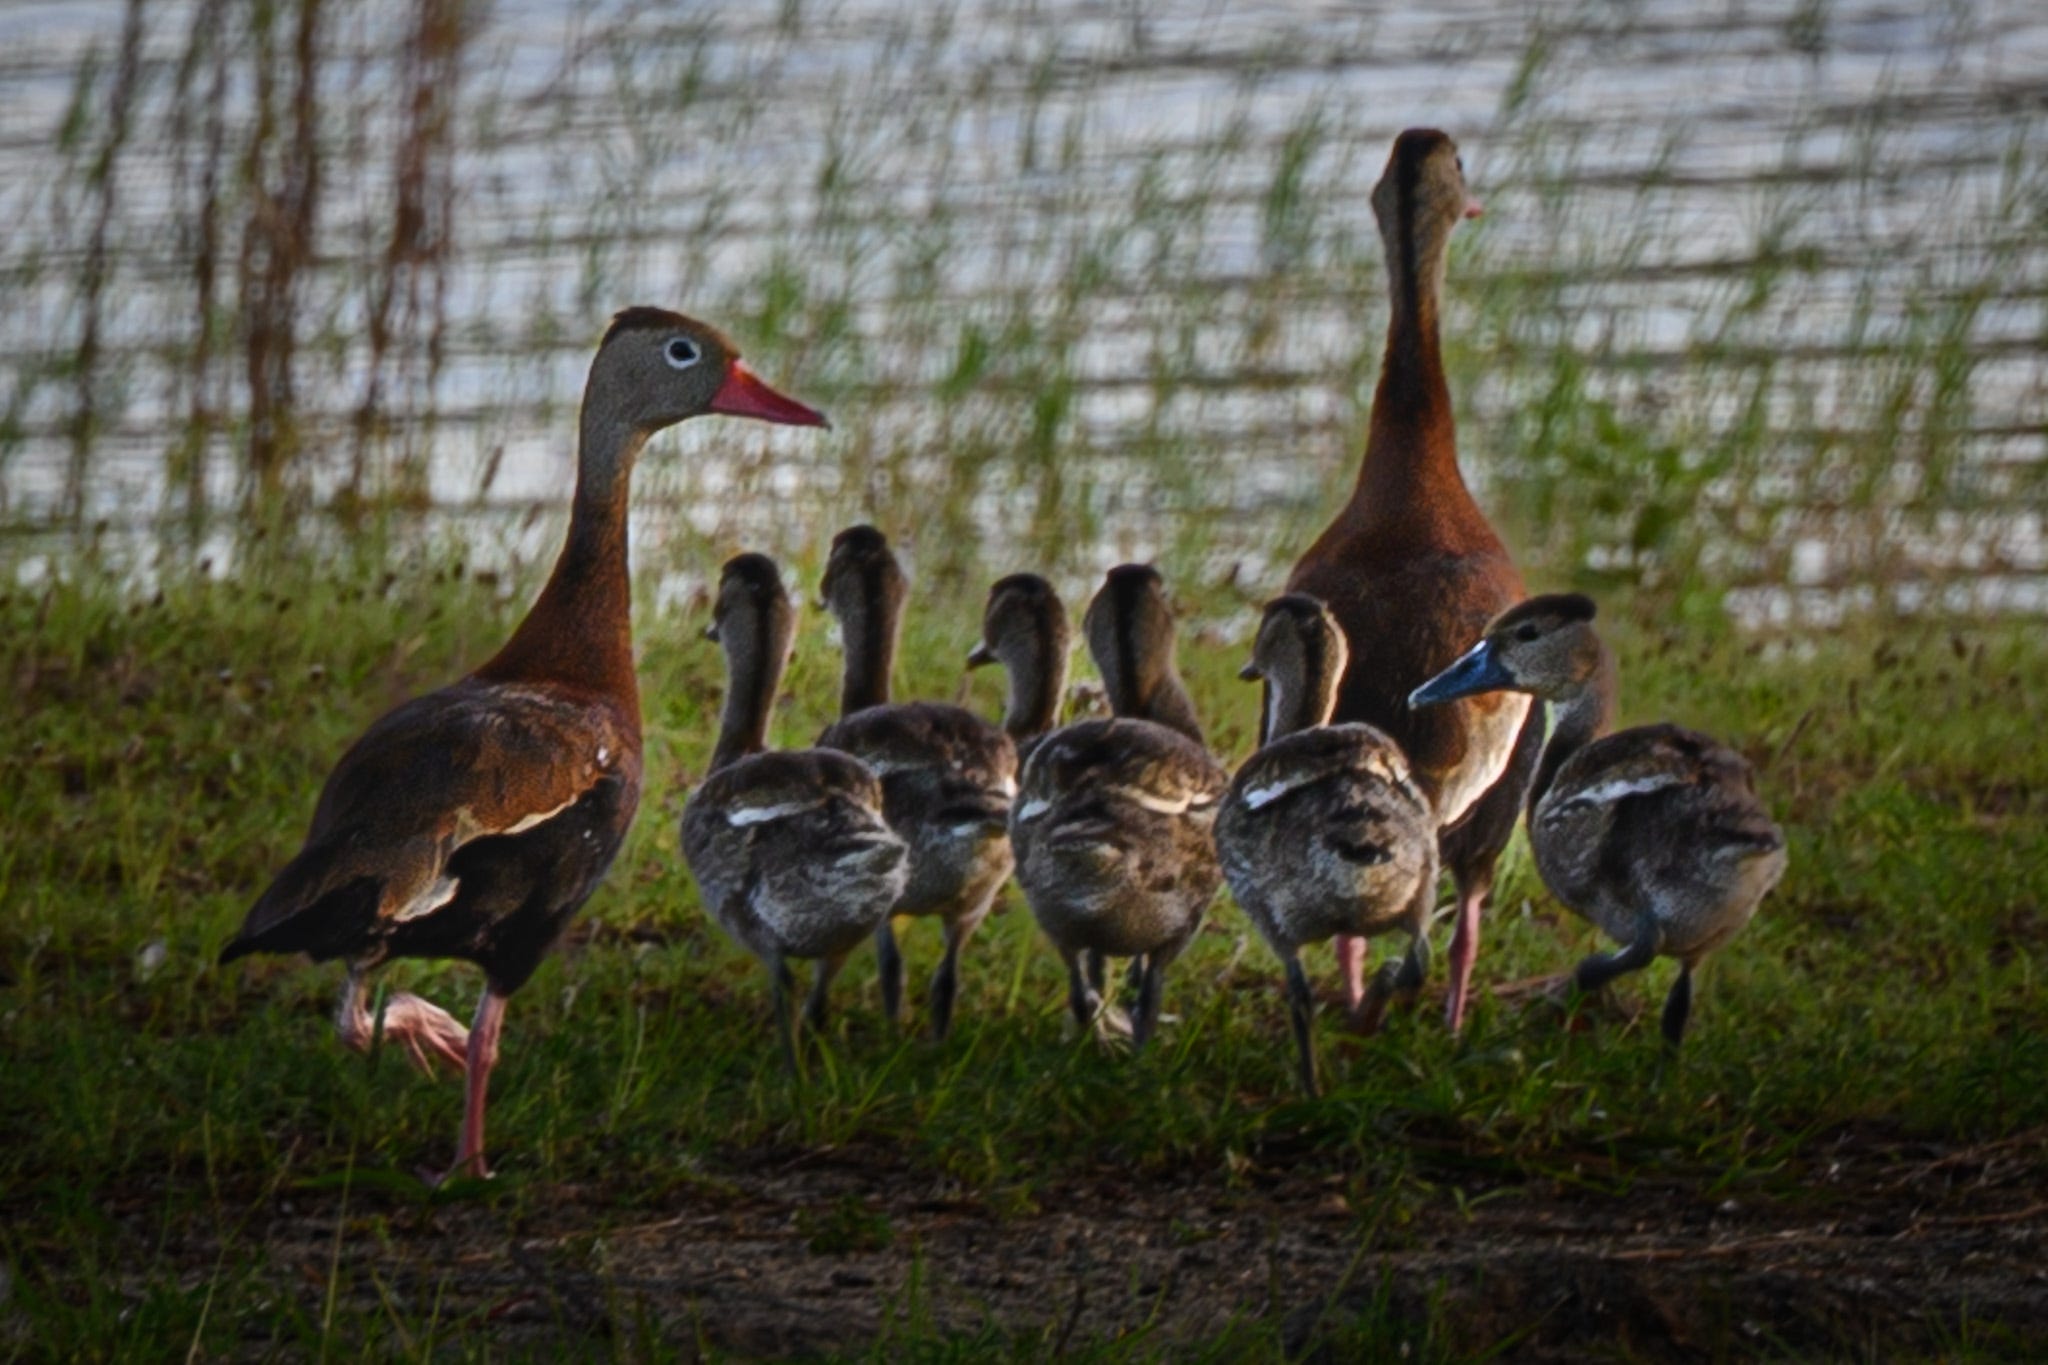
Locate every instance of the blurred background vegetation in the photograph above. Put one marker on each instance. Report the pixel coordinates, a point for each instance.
(1754, 324)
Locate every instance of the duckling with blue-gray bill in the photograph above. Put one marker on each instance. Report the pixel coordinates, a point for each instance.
(790, 849)
(947, 774)
(1654, 834)
(1113, 821)
(1325, 831)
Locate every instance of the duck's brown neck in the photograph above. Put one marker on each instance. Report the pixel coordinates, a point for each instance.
(754, 660)
(1409, 487)
(580, 630)
(868, 629)
(1146, 689)
(1576, 721)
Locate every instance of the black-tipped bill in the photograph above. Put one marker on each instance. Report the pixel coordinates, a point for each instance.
(1250, 673)
(711, 632)
(979, 655)
(1478, 670)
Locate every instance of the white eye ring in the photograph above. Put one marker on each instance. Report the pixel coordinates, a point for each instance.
(681, 353)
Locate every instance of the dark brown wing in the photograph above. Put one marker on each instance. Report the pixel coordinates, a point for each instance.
(471, 762)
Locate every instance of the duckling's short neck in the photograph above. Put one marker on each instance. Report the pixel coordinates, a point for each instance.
(1037, 681)
(1294, 704)
(1577, 720)
(754, 660)
(868, 628)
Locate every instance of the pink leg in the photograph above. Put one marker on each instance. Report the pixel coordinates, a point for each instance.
(483, 1055)
(1464, 952)
(426, 1031)
(1352, 954)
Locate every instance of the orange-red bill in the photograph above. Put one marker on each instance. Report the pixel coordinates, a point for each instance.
(746, 394)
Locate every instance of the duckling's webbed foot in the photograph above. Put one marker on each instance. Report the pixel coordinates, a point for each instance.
(1678, 1006)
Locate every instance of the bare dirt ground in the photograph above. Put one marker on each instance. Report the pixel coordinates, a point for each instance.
(1887, 1249)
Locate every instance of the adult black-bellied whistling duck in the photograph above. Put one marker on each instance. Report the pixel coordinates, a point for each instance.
(1113, 818)
(947, 774)
(790, 849)
(1655, 834)
(1324, 831)
(474, 821)
(1412, 570)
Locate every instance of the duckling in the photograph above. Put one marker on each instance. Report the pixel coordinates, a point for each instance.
(1024, 628)
(790, 850)
(1654, 834)
(1324, 830)
(1113, 818)
(947, 775)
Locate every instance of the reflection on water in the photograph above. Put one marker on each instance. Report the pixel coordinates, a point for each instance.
(1760, 291)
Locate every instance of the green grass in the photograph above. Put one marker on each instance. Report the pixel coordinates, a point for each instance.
(158, 761)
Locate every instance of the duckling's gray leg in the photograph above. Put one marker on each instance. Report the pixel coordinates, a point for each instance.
(1403, 978)
(889, 967)
(784, 987)
(818, 1006)
(1301, 1010)
(946, 981)
(1150, 980)
(1601, 968)
(1084, 997)
(1098, 970)
(1678, 1006)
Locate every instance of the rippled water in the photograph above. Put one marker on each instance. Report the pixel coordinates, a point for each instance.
(1095, 274)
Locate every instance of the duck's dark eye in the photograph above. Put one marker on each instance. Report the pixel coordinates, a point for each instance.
(1461, 165)
(682, 353)
(1527, 631)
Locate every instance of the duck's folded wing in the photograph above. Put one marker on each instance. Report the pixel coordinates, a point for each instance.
(469, 762)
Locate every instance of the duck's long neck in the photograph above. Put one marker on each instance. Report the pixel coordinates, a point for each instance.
(1409, 487)
(580, 630)
(869, 631)
(1165, 703)
(754, 660)
(1576, 722)
(1036, 685)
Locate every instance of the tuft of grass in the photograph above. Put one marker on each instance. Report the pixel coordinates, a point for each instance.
(162, 755)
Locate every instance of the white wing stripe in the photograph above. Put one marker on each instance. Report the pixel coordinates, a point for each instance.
(741, 816)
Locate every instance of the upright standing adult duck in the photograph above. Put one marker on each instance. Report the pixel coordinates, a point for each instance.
(947, 774)
(1324, 831)
(1655, 834)
(1113, 818)
(790, 849)
(1412, 570)
(474, 821)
